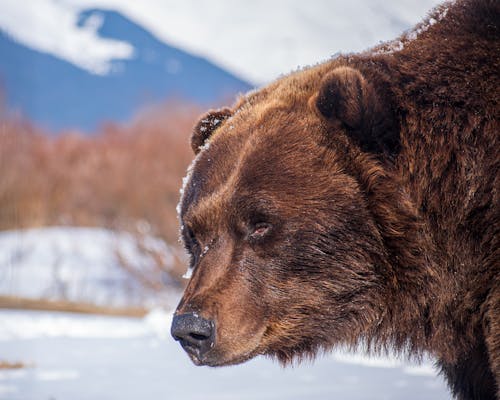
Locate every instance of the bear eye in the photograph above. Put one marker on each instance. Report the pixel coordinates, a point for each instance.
(191, 244)
(189, 237)
(260, 230)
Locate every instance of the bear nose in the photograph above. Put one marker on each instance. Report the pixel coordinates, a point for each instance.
(195, 334)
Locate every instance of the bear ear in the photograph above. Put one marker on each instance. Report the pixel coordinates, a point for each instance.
(347, 99)
(206, 126)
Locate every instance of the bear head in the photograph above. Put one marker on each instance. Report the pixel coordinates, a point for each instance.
(288, 255)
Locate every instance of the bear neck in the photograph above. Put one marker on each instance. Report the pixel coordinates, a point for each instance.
(425, 261)
(410, 276)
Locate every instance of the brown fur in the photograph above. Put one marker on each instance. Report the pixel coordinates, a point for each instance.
(357, 202)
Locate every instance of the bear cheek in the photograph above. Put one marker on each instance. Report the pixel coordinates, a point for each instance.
(240, 323)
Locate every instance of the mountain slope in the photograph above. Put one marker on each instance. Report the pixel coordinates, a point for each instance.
(59, 95)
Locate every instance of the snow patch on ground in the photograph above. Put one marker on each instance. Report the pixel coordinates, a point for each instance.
(26, 325)
(92, 265)
(56, 375)
(7, 389)
(425, 368)
(361, 359)
(34, 324)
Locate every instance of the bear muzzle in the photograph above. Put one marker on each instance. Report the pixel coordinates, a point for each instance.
(195, 334)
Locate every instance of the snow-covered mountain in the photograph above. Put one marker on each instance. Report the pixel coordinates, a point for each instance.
(75, 63)
(60, 93)
(256, 40)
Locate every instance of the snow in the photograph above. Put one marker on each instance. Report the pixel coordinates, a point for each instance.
(32, 325)
(256, 40)
(53, 29)
(187, 178)
(185, 182)
(189, 273)
(358, 358)
(57, 375)
(424, 26)
(72, 356)
(93, 265)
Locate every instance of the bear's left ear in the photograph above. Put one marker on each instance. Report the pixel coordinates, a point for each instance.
(347, 99)
(206, 126)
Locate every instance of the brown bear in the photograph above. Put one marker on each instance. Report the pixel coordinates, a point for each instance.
(353, 203)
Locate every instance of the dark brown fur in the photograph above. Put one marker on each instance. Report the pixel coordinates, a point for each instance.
(376, 178)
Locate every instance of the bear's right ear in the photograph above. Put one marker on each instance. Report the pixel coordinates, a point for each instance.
(206, 126)
(347, 99)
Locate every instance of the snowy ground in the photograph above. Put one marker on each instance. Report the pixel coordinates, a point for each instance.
(91, 265)
(74, 357)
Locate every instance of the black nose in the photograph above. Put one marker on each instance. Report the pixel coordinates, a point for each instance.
(195, 334)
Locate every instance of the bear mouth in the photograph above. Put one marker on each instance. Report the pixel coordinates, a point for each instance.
(216, 357)
(215, 361)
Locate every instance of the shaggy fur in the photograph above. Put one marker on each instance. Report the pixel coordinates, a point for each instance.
(357, 202)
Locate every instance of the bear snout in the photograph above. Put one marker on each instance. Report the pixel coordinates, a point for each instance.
(195, 334)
